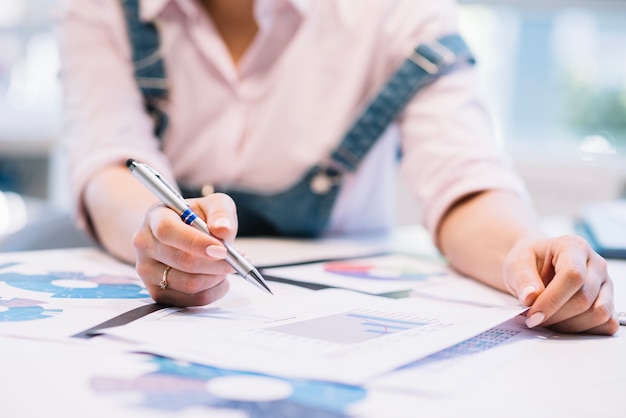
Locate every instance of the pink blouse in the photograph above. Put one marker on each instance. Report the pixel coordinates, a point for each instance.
(310, 70)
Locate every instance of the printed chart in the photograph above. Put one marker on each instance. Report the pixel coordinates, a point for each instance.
(455, 368)
(354, 327)
(68, 284)
(384, 268)
(331, 334)
(61, 293)
(18, 309)
(175, 386)
(374, 275)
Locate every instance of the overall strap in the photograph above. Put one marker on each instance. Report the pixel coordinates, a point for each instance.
(148, 63)
(426, 62)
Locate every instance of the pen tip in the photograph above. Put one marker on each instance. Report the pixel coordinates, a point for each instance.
(130, 162)
(266, 287)
(259, 281)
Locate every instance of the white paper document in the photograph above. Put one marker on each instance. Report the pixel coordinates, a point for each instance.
(375, 275)
(78, 378)
(58, 293)
(455, 368)
(428, 277)
(269, 251)
(332, 335)
(617, 271)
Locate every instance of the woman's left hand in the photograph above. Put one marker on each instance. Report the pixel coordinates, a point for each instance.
(565, 283)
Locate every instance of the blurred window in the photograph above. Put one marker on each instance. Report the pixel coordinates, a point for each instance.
(554, 71)
(29, 67)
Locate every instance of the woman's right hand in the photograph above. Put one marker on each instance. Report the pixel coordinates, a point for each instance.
(180, 265)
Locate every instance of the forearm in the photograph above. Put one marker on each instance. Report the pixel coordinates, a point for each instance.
(477, 234)
(116, 204)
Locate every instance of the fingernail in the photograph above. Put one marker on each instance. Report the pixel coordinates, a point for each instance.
(222, 223)
(535, 319)
(216, 251)
(525, 292)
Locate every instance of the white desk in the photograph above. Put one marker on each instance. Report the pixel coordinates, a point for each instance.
(553, 376)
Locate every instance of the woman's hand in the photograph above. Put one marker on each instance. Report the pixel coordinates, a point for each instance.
(180, 265)
(565, 283)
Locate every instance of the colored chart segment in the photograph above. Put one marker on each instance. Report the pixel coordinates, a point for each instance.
(18, 309)
(388, 268)
(176, 386)
(482, 342)
(67, 284)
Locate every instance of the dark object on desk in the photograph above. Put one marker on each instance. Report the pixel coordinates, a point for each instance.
(603, 224)
(122, 319)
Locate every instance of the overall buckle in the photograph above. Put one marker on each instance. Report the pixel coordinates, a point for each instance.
(324, 179)
(432, 57)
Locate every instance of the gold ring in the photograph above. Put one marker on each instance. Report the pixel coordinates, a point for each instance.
(163, 284)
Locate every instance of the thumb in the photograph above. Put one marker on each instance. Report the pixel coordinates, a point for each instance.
(522, 280)
(523, 277)
(528, 291)
(221, 215)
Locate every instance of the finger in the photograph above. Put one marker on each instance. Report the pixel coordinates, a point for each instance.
(600, 319)
(610, 327)
(168, 284)
(156, 252)
(189, 263)
(204, 297)
(569, 256)
(522, 278)
(168, 230)
(185, 282)
(583, 300)
(221, 215)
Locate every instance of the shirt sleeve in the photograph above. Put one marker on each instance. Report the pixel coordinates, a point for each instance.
(104, 119)
(448, 144)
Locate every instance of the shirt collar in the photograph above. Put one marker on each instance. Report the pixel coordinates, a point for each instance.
(271, 6)
(303, 6)
(150, 9)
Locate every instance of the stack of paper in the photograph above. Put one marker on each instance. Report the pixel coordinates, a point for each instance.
(339, 351)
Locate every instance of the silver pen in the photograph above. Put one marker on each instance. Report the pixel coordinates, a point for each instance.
(172, 199)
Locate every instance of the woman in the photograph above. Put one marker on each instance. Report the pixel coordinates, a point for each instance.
(252, 97)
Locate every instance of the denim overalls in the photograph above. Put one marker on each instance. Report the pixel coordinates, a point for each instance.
(304, 209)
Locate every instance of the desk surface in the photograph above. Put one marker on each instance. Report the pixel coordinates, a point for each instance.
(535, 374)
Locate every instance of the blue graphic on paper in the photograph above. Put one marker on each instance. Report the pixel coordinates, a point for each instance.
(481, 342)
(176, 386)
(77, 285)
(17, 309)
